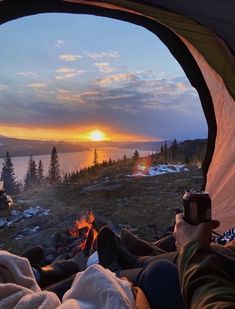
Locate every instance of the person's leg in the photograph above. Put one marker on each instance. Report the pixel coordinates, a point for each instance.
(56, 271)
(166, 243)
(169, 256)
(160, 283)
(137, 245)
(61, 287)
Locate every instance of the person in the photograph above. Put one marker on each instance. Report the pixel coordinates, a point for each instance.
(156, 276)
(206, 272)
(206, 269)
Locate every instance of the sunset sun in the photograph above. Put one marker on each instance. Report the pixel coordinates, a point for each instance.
(96, 135)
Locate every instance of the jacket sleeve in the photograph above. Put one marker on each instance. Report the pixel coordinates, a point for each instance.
(204, 282)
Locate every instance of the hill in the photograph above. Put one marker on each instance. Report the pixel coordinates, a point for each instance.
(144, 204)
(191, 150)
(24, 147)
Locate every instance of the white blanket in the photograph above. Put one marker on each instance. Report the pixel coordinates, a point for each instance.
(94, 288)
(18, 287)
(99, 288)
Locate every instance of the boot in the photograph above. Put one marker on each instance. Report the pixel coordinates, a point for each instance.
(107, 250)
(34, 254)
(56, 271)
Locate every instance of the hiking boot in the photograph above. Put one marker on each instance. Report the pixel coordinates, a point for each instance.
(107, 249)
(56, 271)
(34, 254)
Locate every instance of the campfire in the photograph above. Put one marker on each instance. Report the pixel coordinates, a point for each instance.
(85, 230)
(80, 237)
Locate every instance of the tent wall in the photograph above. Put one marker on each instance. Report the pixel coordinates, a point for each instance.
(221, 174)
(200, 34)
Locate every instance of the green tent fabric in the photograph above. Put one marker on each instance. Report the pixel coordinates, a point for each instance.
(201, 36)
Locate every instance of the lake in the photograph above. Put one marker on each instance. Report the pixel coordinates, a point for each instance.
(72, 161)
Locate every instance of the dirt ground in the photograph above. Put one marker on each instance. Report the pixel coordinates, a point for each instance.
(133, 202)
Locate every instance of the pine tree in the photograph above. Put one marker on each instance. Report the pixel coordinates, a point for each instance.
(136, 155)
(95, 159)
(54, 168)
(40, 172)
(187, 160)
(8, 176)
(162, 152)
(31, 178)
(165, 152)
(174, 149)
(66, 178)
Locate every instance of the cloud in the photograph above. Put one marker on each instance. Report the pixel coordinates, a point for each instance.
(36, 85)
(27, 74)
(65, 70)
(137, 102)
(78, 98)
(3, 87)
(69, 57)
(65, 76)
(59, 43)
(114, 78)
(66, 73)
(104, 67)
(64, 91)
(99, 55)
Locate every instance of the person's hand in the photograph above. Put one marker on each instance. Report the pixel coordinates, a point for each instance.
(185, 232)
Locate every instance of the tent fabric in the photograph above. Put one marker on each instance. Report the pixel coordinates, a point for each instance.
(221, 174)
(217, 16)
(201, 36)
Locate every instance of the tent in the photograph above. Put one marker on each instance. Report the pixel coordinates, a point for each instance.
(201, 36)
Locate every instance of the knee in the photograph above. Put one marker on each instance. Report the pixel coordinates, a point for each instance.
(161, 270)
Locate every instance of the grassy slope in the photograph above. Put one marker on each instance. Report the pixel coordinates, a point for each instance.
(138, 202)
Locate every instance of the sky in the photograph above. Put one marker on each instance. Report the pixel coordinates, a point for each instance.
(64, 76)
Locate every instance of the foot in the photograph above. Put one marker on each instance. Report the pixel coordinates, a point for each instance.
(34, 254)
(107, 249)
(57, 271)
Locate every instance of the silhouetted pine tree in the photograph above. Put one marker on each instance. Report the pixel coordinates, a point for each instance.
(136, 155)
(186, 160)
(96, 157)
(40, 172)
(54, 168)
(31, 178)
(165, 153)
(174, 149)
(162, 153)
(66, 177)
(8, 176)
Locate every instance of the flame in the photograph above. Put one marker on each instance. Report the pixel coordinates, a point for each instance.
(84, 228)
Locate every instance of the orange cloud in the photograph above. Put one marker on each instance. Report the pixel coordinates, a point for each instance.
(114, 78)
